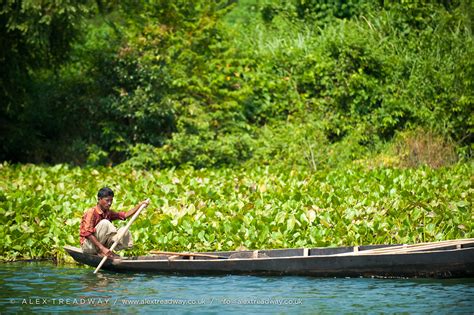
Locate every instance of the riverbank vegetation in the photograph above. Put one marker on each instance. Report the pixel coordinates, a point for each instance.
(250, 124)
(226, 209)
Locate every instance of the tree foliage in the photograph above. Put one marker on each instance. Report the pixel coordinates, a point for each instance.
(35, 35)
(167, 83)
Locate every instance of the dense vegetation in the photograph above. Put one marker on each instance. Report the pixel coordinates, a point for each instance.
(166, 83)
(249, 123)
(228, 209)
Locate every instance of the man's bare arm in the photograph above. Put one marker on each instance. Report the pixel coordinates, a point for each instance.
(132, 212)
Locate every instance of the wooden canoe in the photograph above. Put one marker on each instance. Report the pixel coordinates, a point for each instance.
(445, 259)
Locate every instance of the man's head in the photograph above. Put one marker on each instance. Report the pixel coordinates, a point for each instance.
(105, 198)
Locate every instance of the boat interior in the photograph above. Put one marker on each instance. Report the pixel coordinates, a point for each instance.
(303, 252)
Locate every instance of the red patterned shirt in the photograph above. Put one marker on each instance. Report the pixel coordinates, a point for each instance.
(93, 216)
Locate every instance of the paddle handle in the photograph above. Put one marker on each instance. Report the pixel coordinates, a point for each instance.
(122, 232)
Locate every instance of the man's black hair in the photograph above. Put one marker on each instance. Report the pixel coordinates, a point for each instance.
(105, 192)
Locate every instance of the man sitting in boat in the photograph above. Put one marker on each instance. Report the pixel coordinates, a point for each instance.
(98, 233)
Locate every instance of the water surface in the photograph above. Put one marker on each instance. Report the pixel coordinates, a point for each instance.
(44, 287)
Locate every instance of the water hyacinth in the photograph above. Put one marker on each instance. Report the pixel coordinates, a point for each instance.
(227, 209)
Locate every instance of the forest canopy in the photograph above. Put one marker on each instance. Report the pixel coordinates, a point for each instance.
(219, 83)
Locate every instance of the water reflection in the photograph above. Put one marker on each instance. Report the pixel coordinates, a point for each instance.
(45, 287)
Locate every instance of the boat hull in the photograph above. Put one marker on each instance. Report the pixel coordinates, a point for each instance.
(446, 263)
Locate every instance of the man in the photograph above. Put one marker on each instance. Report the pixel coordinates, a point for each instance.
(97, 232)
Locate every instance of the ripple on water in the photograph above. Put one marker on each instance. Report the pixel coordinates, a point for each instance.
(22, 282)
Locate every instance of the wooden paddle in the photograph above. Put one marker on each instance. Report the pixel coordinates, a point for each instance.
(119, 237)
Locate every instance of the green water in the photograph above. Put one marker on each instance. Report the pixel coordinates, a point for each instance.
(44, 287)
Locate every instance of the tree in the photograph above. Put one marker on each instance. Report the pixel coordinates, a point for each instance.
(34, 35)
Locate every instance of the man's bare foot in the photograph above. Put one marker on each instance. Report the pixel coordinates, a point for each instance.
(112, 255)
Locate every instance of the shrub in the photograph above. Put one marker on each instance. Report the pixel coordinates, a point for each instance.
(423, 147)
